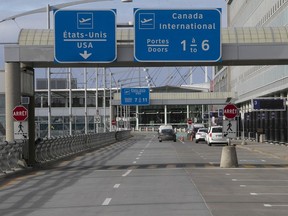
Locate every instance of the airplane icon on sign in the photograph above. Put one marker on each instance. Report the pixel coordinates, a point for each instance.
(146, 20)
(84, 20)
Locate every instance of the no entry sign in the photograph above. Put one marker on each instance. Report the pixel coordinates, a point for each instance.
(230, 111)
(20, 113)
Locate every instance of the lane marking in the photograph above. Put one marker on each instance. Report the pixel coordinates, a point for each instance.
(134, 162)
(269, 205)
(106, 201)
(116, 186)
(271, 194)
(127, 173)
(243, 185)
(137, 158)
(261, 180)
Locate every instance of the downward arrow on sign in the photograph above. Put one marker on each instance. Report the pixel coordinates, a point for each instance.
(85, 55)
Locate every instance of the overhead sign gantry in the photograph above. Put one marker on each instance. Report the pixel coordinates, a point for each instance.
(177, 35)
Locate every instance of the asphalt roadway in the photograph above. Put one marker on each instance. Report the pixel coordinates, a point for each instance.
(143, 177)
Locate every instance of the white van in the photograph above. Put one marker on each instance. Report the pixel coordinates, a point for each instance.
(164, 127)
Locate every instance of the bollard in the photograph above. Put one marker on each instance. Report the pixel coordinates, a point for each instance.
(229, 157)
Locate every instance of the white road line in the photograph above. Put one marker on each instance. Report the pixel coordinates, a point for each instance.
(261, 180)
(269, 194)
(243, 185)
(228, 174)
(134, 162)
(116, 186)
(137, 158)
(106, 201)
(269, 205)
(127, 173)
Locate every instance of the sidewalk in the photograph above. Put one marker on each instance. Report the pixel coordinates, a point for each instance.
(276, 150)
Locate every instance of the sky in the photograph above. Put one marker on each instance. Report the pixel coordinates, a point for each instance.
(9, 29)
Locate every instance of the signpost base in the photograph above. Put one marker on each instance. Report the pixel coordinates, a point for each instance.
(229, 157)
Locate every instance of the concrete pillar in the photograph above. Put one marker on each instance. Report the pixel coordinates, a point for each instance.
(12, 95)
(187, 110)
(137, 118)
(165, 114)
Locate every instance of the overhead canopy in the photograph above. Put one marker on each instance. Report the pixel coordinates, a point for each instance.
(240, 46)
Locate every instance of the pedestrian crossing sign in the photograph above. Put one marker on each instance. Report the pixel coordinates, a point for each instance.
(20, 130)
(229, 128)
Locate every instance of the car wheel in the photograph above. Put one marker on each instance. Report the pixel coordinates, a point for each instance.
(196, 141)
(209, 144)
(174, 140)
(160, 140)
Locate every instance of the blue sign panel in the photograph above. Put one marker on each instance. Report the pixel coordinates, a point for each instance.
(269, 104)
(135, 96)
(85, 36)
(177, 35)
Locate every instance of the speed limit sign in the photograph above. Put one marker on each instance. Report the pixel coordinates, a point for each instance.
(97, 119)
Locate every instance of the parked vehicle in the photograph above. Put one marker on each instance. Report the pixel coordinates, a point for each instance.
(193, 130)
(164, 127)
(201, 134)
(215, 136)
(167, 134)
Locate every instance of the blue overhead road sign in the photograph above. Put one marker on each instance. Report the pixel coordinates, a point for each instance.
(177, 35)
(135, 96)
(85, 36)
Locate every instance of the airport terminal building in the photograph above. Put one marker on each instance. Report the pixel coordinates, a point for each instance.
(257, 81)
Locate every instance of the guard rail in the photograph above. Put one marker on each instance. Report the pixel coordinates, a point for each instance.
(10, 154)
(55, 148)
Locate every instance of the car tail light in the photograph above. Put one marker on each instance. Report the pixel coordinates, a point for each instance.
(210, 134)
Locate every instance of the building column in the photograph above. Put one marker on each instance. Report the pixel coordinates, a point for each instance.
(165, 114)
(137, 118)
(187, 114)
(12, 96)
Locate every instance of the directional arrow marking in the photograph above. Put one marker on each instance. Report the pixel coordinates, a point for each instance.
(85, 55)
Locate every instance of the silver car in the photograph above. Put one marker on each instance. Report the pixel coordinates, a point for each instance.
(201, 134)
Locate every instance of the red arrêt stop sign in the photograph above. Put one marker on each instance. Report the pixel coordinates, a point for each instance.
(230, 111)
(20, 113)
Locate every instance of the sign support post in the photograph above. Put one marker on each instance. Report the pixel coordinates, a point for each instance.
(229, 155)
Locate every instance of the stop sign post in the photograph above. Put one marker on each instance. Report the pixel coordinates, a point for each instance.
(230, 111)
(20, 113)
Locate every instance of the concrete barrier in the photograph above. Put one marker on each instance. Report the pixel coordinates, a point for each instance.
(229, 157)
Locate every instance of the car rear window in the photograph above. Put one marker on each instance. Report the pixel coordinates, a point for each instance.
(217, 130)
(167, 131)
(203, 130)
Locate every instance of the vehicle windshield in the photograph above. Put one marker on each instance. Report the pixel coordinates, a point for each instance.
(205, 130)
(167, 131)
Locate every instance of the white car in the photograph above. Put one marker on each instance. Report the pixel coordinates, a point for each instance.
(215, 136)
(201, 134)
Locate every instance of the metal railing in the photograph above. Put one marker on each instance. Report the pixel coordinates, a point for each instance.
(55, 148)
(10, 154)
